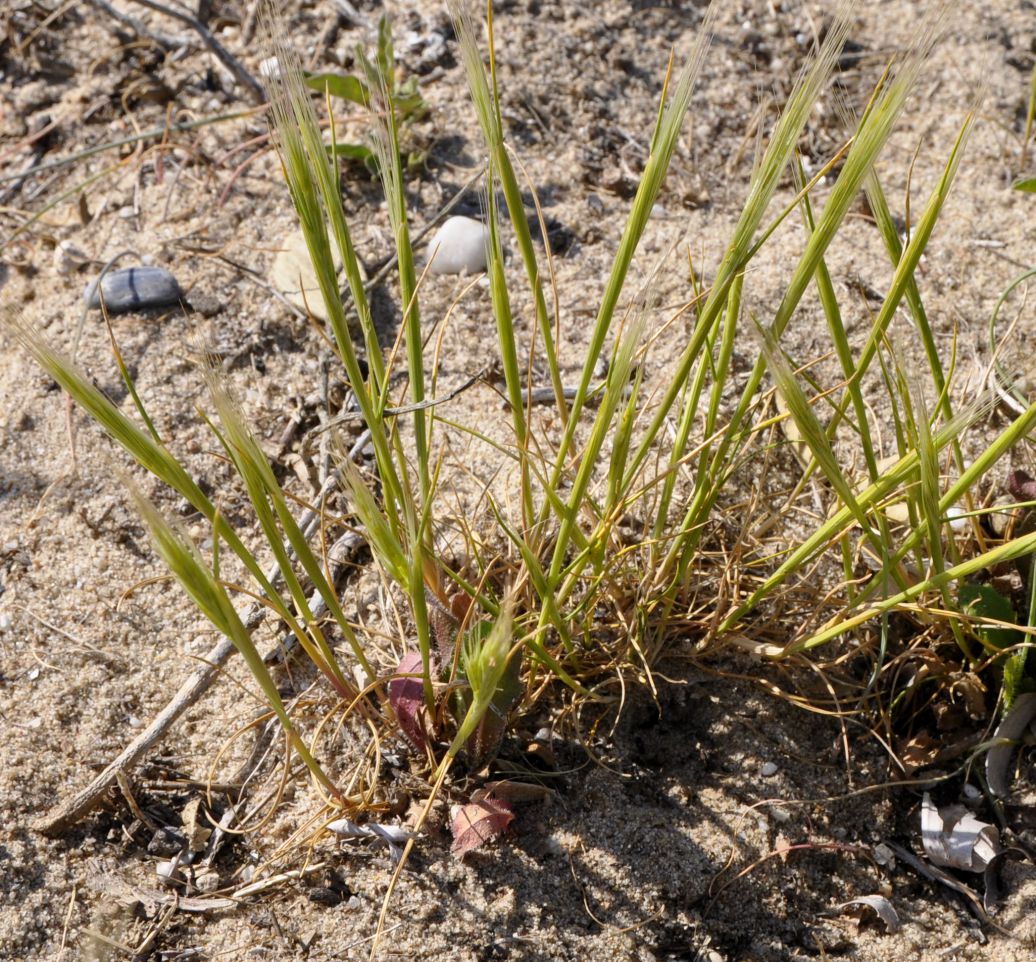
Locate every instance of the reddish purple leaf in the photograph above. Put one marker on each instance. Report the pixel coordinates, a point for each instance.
(406, 696)
(1021, 486)
(483, 818)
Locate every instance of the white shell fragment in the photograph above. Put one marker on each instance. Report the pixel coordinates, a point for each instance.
(1008, 733)
(460, 246)
(292, 273)
(881, 905)
(134, 289)
(68, 258)
(954, 838)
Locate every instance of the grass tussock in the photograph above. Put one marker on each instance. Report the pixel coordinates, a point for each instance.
(636, 529)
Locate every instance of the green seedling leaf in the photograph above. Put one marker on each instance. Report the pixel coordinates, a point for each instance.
(1016, 682)
(491, 670)
(1027, 184)
(358, 152)
(386, 57)
(344, 86)
(409, 103)
(985, 602)
(484, 742)
(380, 536)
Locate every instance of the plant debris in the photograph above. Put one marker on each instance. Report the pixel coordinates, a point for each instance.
(482, 819)
(391, 835)
(954, 838)
(877, 903)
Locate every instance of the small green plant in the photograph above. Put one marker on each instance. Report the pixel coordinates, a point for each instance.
(620, 510)
(405, 98)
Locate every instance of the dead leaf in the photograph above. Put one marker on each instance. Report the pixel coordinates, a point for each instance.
(879, 904)
(954, 838)
(292, 273)
(509, 791)
(406, 696)
(928, 871)
(991, 898)
(920, 752)
(194, 828)
(482, 819)
(970, 687)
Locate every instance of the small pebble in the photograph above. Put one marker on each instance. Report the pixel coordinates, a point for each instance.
(459, 247)
(168, 872)
(5, 621)
(166, 841)
(134, 289)
(767, 769)
(207, 882)
(68, 257)
(958, 522)
(270, 68)
(884, 855)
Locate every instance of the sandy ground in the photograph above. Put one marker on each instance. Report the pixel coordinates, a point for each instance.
(677, 846)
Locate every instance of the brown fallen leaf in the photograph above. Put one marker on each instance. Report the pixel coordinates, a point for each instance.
(482, 819)
(919, 752)
(195, 829)
(510, 791)
(1022, 486)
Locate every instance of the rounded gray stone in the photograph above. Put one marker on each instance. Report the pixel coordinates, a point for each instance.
(134, 289)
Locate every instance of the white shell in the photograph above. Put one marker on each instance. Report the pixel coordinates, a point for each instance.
(460, 246)
(293, 274)
(270, 68)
